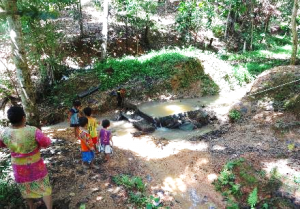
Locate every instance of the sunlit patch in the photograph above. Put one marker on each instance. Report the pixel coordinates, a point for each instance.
(72, 63)
(218, 147)
(212, 177)
(282, 167)
(47, 161)
(174, 185)
(99, 198)
(202, 161)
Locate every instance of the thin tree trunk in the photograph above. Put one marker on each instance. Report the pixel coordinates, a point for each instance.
(295, 34)
(227, 23)
(166, 6)
(126, 35)
(80, 19)
(27, 89)
(146, 36)
(104, 30)
(252, 26)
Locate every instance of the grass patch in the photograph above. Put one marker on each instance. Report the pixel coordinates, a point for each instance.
(156, 65)
(250, 64)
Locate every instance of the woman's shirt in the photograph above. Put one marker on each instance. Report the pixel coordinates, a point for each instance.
(24, 144)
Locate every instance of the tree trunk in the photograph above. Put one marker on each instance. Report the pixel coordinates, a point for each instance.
(252, 26)
(80, 19)
(126, 35)
(27, 89)
(295, 34)
(104, 30)
(227, 23)
(146, 37)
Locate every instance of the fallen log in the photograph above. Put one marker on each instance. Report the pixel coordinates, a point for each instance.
(88, 92)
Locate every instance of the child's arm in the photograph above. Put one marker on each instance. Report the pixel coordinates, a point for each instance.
(111, 141)
(69, 115)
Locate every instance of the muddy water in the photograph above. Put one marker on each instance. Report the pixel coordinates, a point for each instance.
(221, 104)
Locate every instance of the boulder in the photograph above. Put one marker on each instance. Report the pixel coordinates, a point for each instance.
(144, 126)
(188, 126)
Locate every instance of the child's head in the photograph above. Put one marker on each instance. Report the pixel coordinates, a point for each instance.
(87, 111)
(77, 104)
(16, 115)
(83, 121)
(105, 123)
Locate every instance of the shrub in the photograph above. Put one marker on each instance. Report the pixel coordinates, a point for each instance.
(234, 115)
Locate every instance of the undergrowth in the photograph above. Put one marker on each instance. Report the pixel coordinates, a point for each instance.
(114, 72)
(136, 191)
(275, 51)
(245, 186)
(9, 193)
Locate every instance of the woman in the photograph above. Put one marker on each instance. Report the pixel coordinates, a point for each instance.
(24, 143)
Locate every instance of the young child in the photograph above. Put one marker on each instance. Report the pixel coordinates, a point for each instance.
(87, 146)
(74, 115)
(121, 97)
(92, 125)
(24, 142)
(106, 140)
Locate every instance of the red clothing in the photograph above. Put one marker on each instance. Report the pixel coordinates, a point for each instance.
(85, 138)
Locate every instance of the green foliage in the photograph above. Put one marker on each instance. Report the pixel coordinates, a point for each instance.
(297, 179)
(157, 65)
(252, 199)
(218, 30)
(9, 193)
(265, 206)
(131, 183)
(137, 12)
(138, 199)
(234, 115)
(192, 15)
(136, 188)
(241, 184)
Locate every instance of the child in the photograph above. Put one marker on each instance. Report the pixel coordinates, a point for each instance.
(24, 143)
(121, 97)
(92, 125)
(74, 115)
(106, 140)
(87, 146)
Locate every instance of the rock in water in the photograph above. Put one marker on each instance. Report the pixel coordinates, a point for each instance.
(187, 126)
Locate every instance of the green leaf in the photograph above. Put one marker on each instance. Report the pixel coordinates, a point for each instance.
(252, 199)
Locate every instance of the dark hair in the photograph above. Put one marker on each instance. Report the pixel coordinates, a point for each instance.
(76, 103)
(87, 111)
(15, 115)
(105, 123)
(83, 121)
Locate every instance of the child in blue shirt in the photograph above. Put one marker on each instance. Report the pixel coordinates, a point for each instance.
(74, 115)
